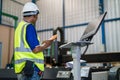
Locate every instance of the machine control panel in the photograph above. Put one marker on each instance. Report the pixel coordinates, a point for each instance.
(63, 74)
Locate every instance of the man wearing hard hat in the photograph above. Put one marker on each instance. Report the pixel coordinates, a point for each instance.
(28, 56)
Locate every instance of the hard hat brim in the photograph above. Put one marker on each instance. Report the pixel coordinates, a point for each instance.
(30, 13)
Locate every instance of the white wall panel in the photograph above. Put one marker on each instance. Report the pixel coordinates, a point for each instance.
(50, 17)
(112, 36)
(80, 11)
(50, 14)
(74, 34)
(112, 28)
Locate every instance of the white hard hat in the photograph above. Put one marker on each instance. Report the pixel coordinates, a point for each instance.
(30, 9)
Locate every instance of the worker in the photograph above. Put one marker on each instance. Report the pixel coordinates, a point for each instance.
(28, 55)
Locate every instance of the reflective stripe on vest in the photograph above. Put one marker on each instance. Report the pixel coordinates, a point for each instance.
(24, 59)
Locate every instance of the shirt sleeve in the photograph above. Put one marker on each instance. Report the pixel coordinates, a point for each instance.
(31, 36)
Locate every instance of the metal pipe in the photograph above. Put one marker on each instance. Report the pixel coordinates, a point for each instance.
(56, 45)
(101, 9)
(11, 16)
(60, 29)
(78, 25)
(34, 1)
(18, 2)
(64, 18)
(0, 10)
(64, 15)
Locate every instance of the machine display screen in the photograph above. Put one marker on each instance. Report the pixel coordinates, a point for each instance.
(93, 27)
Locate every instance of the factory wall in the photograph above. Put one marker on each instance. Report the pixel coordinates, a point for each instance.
(78, 12)
(54, 14)
(50, 16)
(6, 40)
(82, 11)
(75, 12)
(112, 27)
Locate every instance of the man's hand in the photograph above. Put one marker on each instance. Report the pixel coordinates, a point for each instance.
(53, 37)
(43, 46)
(46, 42)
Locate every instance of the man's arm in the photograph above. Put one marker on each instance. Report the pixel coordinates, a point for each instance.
(44, 45)
(39, 48)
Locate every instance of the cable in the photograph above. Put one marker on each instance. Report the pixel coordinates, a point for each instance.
(85, 50)
(87, 39)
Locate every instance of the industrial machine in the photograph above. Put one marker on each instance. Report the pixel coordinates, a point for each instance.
(85, 40)
(114, 73)
(59, 73)
(7, 74)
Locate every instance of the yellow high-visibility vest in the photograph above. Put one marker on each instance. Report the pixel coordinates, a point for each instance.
(22, 51)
